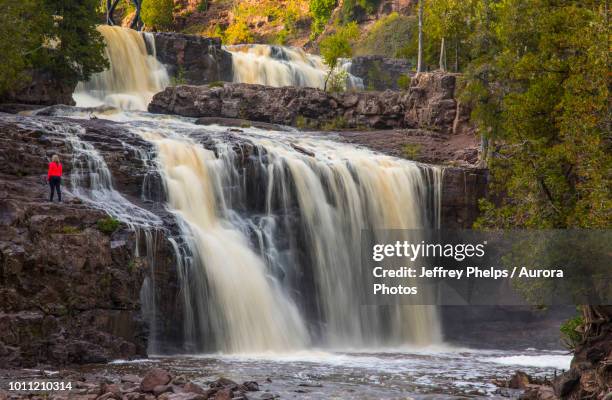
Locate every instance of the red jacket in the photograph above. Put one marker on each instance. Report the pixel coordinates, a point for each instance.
(55, 169)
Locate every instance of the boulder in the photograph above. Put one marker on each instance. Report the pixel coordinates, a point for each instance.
(519, 380)
(154, 378)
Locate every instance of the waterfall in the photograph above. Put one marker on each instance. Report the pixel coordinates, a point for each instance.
(274, 235)
(269, 253)
(281, 66)
(134, 75)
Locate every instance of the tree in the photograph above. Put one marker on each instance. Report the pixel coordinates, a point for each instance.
(158, 14)
(19, 36)
(420, 51)
(542, 96)
(320, 11)
(448, 20)
(338, 45)
(71, 49)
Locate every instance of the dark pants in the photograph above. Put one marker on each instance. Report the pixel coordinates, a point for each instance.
(54, 184)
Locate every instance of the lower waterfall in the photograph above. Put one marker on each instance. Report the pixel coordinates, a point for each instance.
(273, 239)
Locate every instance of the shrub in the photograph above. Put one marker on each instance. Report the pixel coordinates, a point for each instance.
(338, 45)
(70, 230)
(321, 11)
(411, 151)
(403, 82)
(569, 333)
(238, 32)
(390, 36)
(108, 225)
(158, 14)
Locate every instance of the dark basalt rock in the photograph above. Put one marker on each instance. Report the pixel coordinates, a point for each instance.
(40, 88)
(429, 104)
(193, 59)
(380, 73)
(69, 293)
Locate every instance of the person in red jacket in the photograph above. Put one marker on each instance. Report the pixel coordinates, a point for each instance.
(54, 177)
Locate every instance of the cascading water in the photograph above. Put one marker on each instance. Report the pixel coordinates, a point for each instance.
(134, 75)
(268, 258)
(281, 66)
(273, 260)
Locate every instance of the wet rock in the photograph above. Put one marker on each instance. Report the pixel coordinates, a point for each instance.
(153, 378)
(179, 380)
(520, 380)
(157, 390)
(223, 383)
(224, 394)
(131, 378)
(251, 386)
(191, 387)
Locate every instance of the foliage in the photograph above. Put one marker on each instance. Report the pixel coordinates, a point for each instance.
(158, 14)
(238, 32)
(108, 225)
(403, 82)
(449, 21)
(338, 45)
(390, 36)
(335, 124)
(70, 230)
(411, 151)
(540, 90)
(337, 81)
(320, 11)
(353, 10)
(570, 333)
(19, 36)
(71, 48)
(280, 17)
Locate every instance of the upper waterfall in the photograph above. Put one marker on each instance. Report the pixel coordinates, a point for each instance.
(281, 66)
(134, 75)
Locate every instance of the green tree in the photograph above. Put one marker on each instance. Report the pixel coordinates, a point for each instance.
(448, 21)
(338, 45)
(542, 95)
(158, 14)
(320, 11)
(19, 37)
(72, 48)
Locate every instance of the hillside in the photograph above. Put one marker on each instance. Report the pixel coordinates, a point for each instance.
(384, 24)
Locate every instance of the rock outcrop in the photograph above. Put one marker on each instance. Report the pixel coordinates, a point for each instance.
(429, 104)
(192, 59)
(69, 289)
(40, 88)
(380, 73)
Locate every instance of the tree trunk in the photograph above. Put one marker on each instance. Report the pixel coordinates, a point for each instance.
(420, 53)
(456, 55)
(442, 55)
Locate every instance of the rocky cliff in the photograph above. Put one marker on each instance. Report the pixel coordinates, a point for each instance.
(70, 287)
(381, 73)
(40, 88)
(193, 60)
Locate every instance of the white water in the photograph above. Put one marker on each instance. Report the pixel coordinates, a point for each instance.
(281, 66)
(134, 75)
(269, 258)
